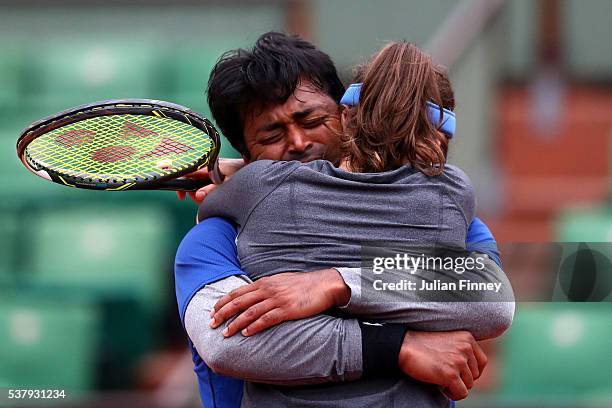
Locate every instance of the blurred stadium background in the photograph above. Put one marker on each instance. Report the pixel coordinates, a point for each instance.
(533, 80)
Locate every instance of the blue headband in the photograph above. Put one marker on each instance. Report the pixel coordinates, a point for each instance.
(445, 124)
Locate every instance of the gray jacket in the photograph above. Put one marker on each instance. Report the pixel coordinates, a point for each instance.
(302, 217)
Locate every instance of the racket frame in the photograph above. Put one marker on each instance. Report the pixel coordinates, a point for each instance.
(146, 107)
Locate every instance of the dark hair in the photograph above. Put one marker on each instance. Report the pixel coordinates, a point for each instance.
(390, 126)
(267, 75)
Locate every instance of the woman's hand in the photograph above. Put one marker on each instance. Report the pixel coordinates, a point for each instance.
(278, 298)
(226, 166)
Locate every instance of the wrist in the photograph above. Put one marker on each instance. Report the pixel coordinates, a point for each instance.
(339, 291)
(381, 347)
(404, 351)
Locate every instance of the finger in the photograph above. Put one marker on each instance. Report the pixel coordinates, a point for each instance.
(246, 318)
(201, 194)
(193, 197)
(457, 390)
(466, 377)
(481, 357)
(209, 188)
(473, 365)
(251, 287)
(265, 321)
(236, 293)
(201, 174)
(180, 195)
(235, 306)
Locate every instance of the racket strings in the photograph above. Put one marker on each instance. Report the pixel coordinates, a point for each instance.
(167, 146)
(75, 137)
(125, 147)
(113, 153)
(133, 130)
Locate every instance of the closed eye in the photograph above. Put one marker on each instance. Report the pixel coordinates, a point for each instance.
(271, 139)
(313, 122)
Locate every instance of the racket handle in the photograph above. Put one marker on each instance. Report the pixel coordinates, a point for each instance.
(183, 184)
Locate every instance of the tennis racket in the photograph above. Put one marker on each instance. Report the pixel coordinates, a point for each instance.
(119, 145)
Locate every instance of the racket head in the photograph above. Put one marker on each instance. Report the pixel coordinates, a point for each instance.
(120, 144)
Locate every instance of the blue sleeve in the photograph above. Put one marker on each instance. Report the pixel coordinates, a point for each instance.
(206, 254)
(479, 238)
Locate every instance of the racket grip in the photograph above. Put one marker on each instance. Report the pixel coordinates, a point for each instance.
(183, 184)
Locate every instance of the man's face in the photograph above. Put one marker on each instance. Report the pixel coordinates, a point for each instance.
(304, 128)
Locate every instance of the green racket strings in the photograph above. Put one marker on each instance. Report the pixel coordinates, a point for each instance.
(118, 147)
